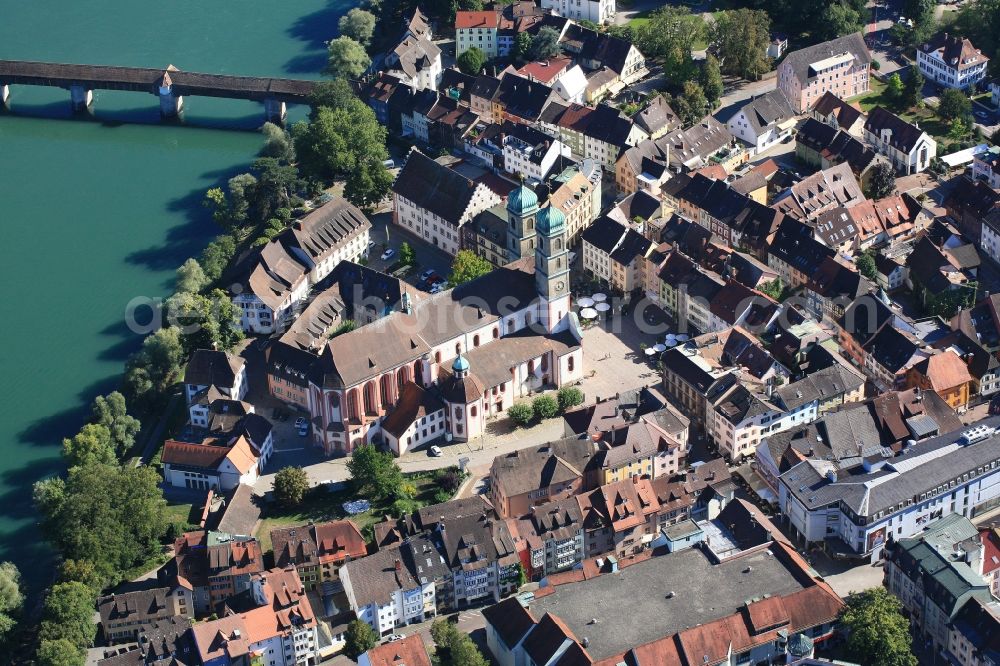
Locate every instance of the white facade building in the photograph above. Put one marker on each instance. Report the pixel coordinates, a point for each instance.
(951, 61)
(598, 11)
(433, 201)
(764, 121)
(957, 472)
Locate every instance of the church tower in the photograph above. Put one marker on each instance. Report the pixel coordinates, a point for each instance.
(552, 270)
(522, 207)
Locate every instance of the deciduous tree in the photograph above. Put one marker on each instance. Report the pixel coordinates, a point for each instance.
(894, 90)
(339, 140)
(290, 486)
(669, 37)
(91, 446)
(545, 44)
(521, 413)
(545, 407)
(866, 265)
(217, 255)
(838, 20)
(468, 266)
(157, 365)
(68, 615)
(359, 25)
(277, 143)
(711, 80)
(877, 632)
(741, 38)
(190, 276)
(954, 104)
(569, 396)
(111, 412)
(692, 105)
(375, 474)
(471, 61)
(347, 58)
(109, 515)
(882, 182)
(359, 638)
(11, 599)
(336, 94)
(60, 652)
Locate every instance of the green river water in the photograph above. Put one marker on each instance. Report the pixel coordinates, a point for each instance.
(96, 212)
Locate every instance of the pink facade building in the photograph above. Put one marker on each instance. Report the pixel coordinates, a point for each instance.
(840, 66)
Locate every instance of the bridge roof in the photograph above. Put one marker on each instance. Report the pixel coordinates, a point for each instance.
(143, 78)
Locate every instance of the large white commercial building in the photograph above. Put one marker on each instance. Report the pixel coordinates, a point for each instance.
(854, 510)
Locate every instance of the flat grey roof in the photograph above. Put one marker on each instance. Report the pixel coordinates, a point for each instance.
(631, 607)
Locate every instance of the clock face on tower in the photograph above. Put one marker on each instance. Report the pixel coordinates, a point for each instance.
(560, 286)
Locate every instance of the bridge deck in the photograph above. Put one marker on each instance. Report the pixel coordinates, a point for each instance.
(141, 79)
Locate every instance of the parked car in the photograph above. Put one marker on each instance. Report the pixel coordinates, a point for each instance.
(388, 254)
(435, 451)
(393, 637)
(426, 275)
(438, 287)
(302, 426)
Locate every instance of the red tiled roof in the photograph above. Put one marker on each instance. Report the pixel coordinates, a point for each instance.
(338, 540)
(409, 651)
(545, 71)
(193, 455)
(476, 20)
(991, 549)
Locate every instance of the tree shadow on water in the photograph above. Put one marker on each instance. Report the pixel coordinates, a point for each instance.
(189, 238)
(315, 30)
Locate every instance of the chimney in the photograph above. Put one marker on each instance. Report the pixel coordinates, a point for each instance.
(399, 565)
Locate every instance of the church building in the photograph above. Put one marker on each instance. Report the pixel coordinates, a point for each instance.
(446, 363)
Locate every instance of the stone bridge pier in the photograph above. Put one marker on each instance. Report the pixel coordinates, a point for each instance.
(81, 96)
(171, 104)
(275, 111)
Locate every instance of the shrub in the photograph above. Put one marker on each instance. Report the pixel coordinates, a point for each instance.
(569, 396)
(449, 479)
(442, 496)
(521, 413)
(545, 407)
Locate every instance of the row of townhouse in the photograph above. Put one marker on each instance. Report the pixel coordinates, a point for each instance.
(271, 281)
(442, 557)
(271, 623)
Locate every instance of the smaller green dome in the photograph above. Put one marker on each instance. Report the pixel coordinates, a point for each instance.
(460, 365)
(551, 220)
(522, 201)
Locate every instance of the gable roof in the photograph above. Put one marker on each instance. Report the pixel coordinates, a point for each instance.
(434, 187)
(800, 61)
(831, 105)
(209, 367)
(771, 108)
(954, 50)
(903, 136)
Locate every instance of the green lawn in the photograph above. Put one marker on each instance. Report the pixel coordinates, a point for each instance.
(321, 505)
(186, 515)
(924, 117)
(873, 97)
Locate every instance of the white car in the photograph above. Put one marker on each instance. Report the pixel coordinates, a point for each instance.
(438, 287)
(393, 637)
(435, 451)
(388, 254)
